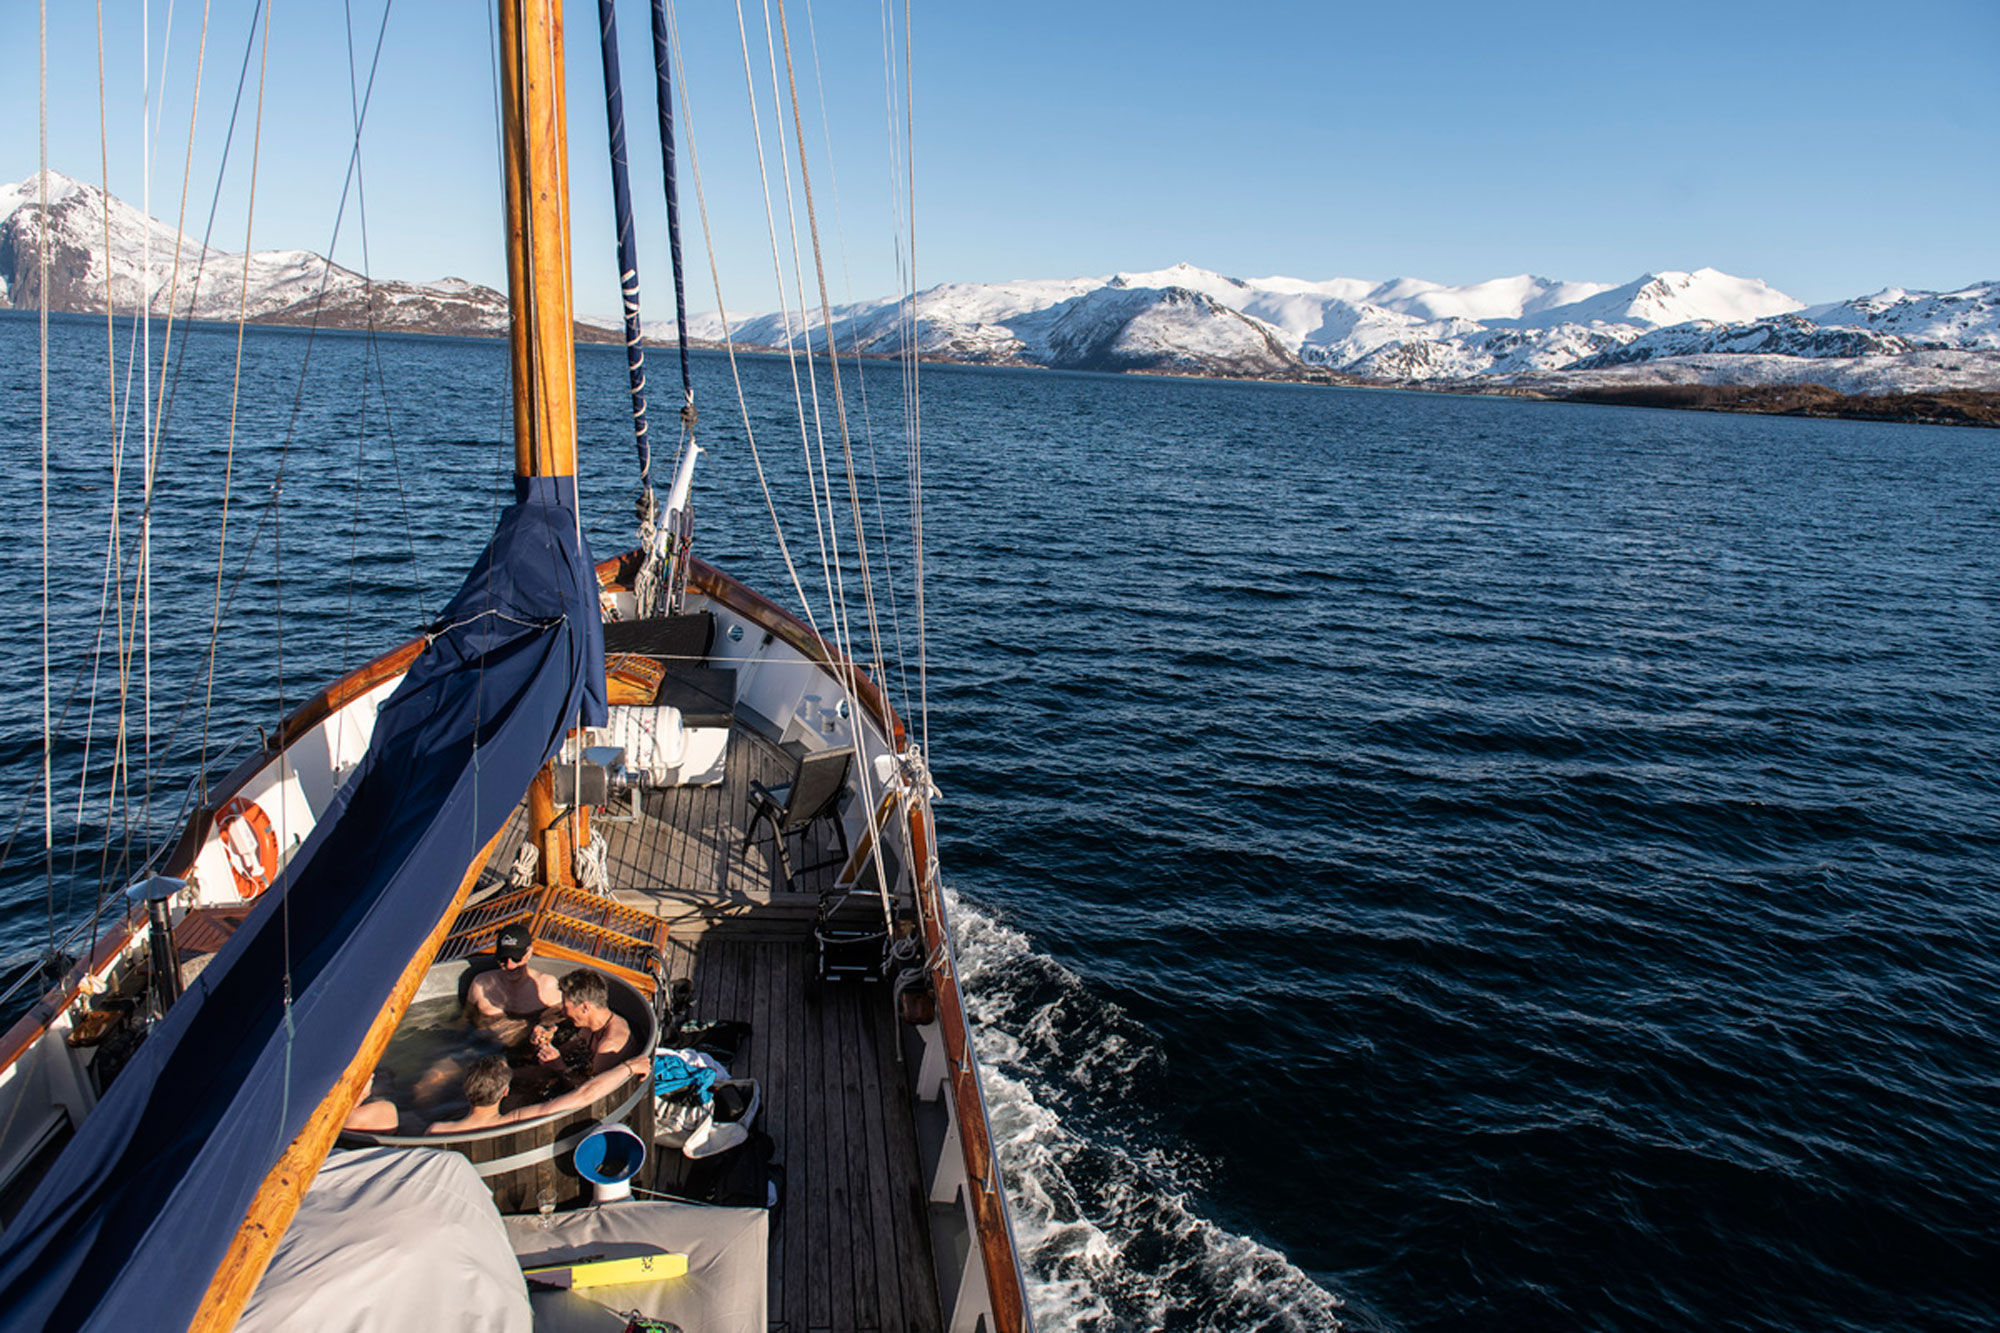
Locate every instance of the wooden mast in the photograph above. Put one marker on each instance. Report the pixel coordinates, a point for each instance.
(542, 341)
(543, 355)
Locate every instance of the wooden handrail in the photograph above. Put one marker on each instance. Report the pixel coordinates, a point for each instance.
(994, 1237)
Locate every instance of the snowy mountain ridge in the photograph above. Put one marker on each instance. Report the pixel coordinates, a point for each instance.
(1405, 330)
(269, 286)
(1181, 319)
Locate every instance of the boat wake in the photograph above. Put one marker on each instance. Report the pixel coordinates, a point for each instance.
(1108, 1226)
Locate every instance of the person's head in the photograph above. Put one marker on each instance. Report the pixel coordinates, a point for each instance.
(584, 996)
(486, 1082)
(512, 946)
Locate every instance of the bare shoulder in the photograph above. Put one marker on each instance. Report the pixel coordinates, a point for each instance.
(481, 992)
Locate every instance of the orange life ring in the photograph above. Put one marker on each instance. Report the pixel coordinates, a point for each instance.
(249, 845)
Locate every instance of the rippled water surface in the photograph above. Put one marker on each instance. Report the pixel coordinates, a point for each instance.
(1423, 863)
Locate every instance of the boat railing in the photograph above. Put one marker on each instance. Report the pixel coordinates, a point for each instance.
(65, 952)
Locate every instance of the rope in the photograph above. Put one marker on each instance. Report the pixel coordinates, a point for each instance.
(115, 538)
(913, 415)
(236, 385)
(590, 861)
(848, 669)
(784, 305)
(818, 476)
(372, 354)
(722, 314)
(111, 547)
(878, 650)
(157, 429)
(180, 218)
(42, 249)
(143, 592)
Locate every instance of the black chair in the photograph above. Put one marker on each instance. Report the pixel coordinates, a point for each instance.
(793, 808)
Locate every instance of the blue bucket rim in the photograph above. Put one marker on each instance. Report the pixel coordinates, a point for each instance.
(592, 1168)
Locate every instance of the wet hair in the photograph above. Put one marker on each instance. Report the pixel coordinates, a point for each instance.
(486, 1083)
(585, 987)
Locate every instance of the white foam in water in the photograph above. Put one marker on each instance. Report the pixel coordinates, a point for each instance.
(1108, 1228)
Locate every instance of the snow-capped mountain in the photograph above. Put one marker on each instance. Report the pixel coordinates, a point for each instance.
(1784, 335)
(1700, 327)
(271, 286)
(1661, 300)
(1969, 317)
(1182, 319)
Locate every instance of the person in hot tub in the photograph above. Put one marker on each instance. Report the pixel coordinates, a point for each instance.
(513, 997)
(486, 1084)
(600, 1038)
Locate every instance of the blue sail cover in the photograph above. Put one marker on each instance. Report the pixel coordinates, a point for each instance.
(128, 1228)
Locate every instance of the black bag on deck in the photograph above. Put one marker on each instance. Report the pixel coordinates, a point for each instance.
(741, 1177)
(722, 1038)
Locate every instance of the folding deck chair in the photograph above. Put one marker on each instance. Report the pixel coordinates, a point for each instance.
(793, 808)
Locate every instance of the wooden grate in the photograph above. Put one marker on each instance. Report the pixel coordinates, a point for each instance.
(571, 924)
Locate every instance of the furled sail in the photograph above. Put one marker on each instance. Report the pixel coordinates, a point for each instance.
(132, 1221)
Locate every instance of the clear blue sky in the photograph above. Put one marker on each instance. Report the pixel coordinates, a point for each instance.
(1829, 148)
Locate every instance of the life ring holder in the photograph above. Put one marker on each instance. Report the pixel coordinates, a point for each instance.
(231, 823)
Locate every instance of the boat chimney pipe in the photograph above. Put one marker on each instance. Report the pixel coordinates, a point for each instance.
(156, 891)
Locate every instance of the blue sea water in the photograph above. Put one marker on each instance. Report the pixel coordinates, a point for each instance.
(1422, 863)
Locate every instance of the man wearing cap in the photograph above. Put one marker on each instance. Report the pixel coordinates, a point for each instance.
(511, 998)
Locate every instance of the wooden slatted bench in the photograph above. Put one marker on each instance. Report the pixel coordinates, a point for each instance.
(570, 924)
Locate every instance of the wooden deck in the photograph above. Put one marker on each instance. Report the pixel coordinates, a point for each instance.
(685, 856)
(851, 1245)
(850, 1248)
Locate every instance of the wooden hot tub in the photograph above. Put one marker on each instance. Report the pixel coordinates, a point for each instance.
(529, 1164)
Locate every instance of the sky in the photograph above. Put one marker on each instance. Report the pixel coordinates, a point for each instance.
(1828, 148)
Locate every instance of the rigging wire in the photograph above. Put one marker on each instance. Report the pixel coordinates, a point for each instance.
(722, 316)
(115, 538)
(784, 302)
(372, 356)
(42, 280)
(158, 426)
(847, 667)
(914, 414)
(143, 592)
(878, 654)
(107, 596)
(235, 382)
(818, 477)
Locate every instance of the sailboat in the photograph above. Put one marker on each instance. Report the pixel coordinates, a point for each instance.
(671, 788)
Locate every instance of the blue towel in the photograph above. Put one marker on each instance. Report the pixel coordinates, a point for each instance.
(675, 1077)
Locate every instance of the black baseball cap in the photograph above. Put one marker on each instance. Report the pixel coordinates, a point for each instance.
(511, 946)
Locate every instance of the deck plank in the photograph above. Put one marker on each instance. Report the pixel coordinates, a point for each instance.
(908, 1189)
(881, 1169)
(837, 1159)
(863, 1163)
(814, 1131)
(767, 1069)
(797, 1109)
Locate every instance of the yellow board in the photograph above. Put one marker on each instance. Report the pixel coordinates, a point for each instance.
(643, 1268)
